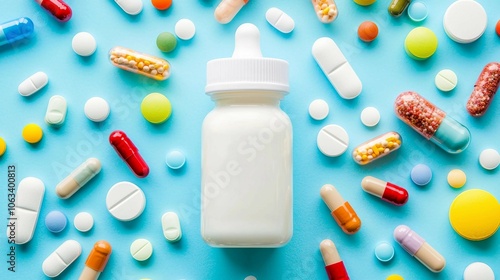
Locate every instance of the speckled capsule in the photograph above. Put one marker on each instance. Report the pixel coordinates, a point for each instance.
(484, 90)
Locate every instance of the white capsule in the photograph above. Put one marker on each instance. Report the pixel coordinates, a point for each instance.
(56, 110)
(131, 7)
(61, 258)
(280, 20)
(33, 84)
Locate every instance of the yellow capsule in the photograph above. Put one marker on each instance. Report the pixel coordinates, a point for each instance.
(376, 149)
(120, 58)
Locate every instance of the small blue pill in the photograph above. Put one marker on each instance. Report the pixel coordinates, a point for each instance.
(384, 252)
(421, 174)
(175, 159)
(417, 11)
(55, 221)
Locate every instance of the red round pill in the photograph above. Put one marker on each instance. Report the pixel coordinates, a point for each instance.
(129, 153)
(367, 31)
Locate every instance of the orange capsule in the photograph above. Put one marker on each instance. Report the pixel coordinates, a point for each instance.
(96, 261)
(342, 211)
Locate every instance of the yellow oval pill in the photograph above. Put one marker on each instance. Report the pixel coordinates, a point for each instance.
(3, 146)
(156, 108)
(475, 214)
(457, 178)
(394, 277)
(32, 133)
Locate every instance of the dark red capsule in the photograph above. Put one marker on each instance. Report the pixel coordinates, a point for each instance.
(60, 10)
(129, 153)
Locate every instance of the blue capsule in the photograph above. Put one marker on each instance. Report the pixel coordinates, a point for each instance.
(15, 30)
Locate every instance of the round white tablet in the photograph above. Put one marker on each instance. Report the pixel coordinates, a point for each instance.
(465, 21)
(446, 80)
(84, 44)
(250, 277)
(489, 159)
(185, 29)
(83, 221)
(318, 109)
(125, 201)
(96, 109)
(332, 140)
(478, 271)
(370, 116)
(141, 249)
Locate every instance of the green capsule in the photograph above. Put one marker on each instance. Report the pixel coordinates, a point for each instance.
(397, 7)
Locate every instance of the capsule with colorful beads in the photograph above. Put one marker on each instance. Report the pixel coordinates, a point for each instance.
(431, 122)
(57, 8)
(484, 90)
(16, 30)
(342, 211)
(386, 191)
(326, 10)
(129, 153)
(136, 62)
(334, 265)
(376, 148)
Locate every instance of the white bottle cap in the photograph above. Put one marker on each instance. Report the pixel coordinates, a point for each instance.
(247, 69)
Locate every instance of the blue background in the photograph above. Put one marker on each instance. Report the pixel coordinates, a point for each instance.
(383, 67)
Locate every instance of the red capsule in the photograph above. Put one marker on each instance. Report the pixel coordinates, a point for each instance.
(386, 191)
(484, 90)
(60, 10)
(129, 153)
(334, 265)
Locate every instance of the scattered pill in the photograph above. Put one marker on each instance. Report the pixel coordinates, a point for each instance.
(364, 2)
(497, 28)
(478, 271)
(474, 214)
(251, 277)
(129, 153)
(385, 190)
(166, 42)
(55, 221)
(446, 80)
(227, 10)
(131, 7)
(141, 249)
(318, 109)
(465, 21)
(397, 7)
(485, 88)
(376, 148)
(16, 30)
(341, 210)
(280, 20)
(83, 221)
(367, 31)
(3, 146)
(32, 133)
(370, 116)
(185, 29)
(456, 178)
(56, 111)
(96, 109)
(29, 198)
(57, 8)
(394, 277)
(418, 248)
(334, 265)
(33, 84)
(421, 174)
(336, 67)
(171, 226)
(139, 63)
(175, 159)
(417, 11)
(384, 252)
(156, 108)
(332, 140)
(421, 43)
(161, 4)
(125, 201)
(78, 178)
(326, 10)
(84, 44)
(61, 258)
(489, 159)
(431, 122)
(97, 260)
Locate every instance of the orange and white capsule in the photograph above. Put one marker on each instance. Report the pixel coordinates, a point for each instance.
(334, 265)
(144, 64)
(342, 211)
(326, 10)
(376, 148)
(96, 261)
(227, 10)
(386, 191)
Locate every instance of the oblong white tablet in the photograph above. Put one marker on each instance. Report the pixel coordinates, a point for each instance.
(29, 197)
(280, 20)
(56, 110)
(33, 84)
(465, 21)
(336, 67)
(61, 258)
(171, 226)
(125, 201)
(131, 7)
(332, 140)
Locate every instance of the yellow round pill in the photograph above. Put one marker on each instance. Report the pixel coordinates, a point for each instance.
(457, 178)
(156, 108)
(3, 146)
(474, 214)
(32, 133)
(421, 43)
(394, 277)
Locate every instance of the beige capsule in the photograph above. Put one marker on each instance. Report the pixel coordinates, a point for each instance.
(78, 178)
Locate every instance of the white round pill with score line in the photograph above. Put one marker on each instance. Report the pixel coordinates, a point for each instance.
(318, 109)
(446, 80)
(141, 249)
(332, 140)
(125, 201)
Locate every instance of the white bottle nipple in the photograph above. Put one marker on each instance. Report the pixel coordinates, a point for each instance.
(247, 42)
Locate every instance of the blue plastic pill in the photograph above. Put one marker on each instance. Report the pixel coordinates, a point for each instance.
(175, 159)
(421, 174)
(15, 30)
(384, 252)
(55, 221)
(417, 11)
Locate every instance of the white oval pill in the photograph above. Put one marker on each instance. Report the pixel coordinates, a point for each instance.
(185, 29)
(446, 80)
(478, 271)
(84, 44)
(33, 84)
(61, 258)
(370, 116)
(96, 109)
(335, 66)
(171, 226)
(465, 21)
(280, 20)
(318, 109)
(141, 249)
(56, 110)
(125, 201)
(489, 159)
(131, 7)
(29, 197)
(83, 222)
(332, 140)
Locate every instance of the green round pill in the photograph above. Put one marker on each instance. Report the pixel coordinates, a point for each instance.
(166, 41)
(156, 108)
(421, 43)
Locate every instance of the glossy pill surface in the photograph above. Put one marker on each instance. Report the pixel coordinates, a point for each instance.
(377, 147)
(129, 153)
(78, 178)
(385, 190)
(342, 211)
(57, 8)
(135, 62)
(96, 260)
(131, 7)
(485, 89)
(326, 10)
(16, 30)
(334, 265)
(367, 31)
(397, 7)
(227, 10)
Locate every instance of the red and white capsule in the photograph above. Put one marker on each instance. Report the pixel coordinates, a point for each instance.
(334, 265)
(386, 191)
(57, 8)
(129, 153)
(484, 90)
